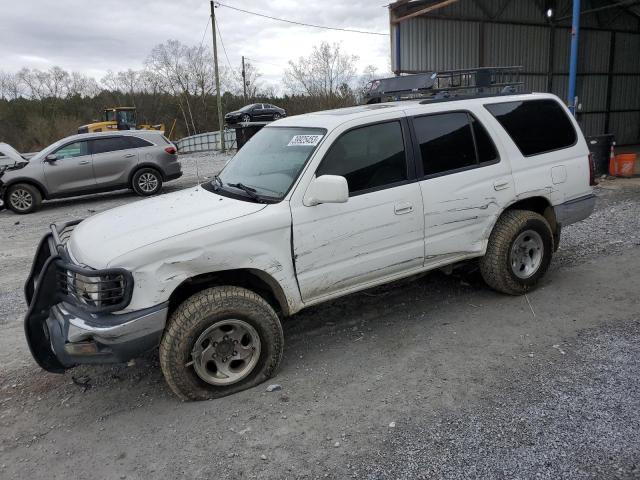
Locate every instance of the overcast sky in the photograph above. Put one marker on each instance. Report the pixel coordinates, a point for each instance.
(93, 37)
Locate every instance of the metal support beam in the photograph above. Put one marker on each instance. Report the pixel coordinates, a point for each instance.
(398, 64)
(573, 61)
(551, 55)
(612, 59)
(422, 11)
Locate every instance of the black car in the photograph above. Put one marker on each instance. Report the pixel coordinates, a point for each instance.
(256, 112)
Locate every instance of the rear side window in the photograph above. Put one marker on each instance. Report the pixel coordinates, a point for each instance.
(135, 142)
(535, 126)
(368, 157)
(447, 142)
(111, 144)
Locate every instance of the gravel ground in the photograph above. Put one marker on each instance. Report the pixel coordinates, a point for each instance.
(436, 377)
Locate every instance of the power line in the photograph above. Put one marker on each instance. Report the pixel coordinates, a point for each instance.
(225, 50)
(206, 28)
(266, 63)
(301, 23)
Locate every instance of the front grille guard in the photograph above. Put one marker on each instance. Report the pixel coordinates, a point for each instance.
(94, 291)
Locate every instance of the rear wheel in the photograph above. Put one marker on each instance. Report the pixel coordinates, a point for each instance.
(276, 116)
(220, 341)
(23, 198)
(146, 181)
(518, 253)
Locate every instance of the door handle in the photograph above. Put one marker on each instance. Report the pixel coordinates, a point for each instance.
(129, 155)
(501, 185)
(83, 162)
(402, 208)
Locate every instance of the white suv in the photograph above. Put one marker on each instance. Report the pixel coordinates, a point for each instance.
(314, 207)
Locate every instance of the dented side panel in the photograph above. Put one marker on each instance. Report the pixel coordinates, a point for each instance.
(339, 246)
(461, 208)
(259, 242)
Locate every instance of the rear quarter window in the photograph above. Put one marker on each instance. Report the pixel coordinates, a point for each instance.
(135, 142)
(535, 126)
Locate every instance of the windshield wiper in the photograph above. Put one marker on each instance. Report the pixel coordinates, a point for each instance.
(248, 190)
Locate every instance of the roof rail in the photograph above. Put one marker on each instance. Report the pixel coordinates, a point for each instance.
(471, 81)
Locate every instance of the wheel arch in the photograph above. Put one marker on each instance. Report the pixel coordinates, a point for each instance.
(540, 205)
(255, 280)
(140, 166)
(30, 181)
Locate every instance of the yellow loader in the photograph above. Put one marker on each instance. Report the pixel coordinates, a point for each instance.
(119, 118)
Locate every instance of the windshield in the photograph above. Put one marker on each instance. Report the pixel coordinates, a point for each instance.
(247, 107)
(271, 161)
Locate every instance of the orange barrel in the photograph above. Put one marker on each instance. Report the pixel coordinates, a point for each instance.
(624, 165)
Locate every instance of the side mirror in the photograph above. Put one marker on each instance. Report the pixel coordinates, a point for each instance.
(52, 157)
(327, 189)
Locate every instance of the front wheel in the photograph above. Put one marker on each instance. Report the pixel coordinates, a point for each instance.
(146, 181)
(23, 198)
(246, 118)
(220, 341)
(518, 253)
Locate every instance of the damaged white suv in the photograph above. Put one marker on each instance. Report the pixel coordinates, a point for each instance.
(312, 208)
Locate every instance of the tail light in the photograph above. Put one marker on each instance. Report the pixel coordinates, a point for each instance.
(592, 172)
(171, 150)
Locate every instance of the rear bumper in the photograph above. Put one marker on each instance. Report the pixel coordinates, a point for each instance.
(173, 176)
(575, 210)
(61, 334)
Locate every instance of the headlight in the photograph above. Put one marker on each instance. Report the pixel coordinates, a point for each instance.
(88, 288)
(107, 290)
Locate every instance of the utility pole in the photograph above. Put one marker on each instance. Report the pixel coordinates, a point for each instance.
(244, 81)
(217, 73)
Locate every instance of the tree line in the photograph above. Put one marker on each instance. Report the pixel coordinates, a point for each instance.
(176, 84)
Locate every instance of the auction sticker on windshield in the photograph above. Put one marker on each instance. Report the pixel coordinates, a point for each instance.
(305, 140)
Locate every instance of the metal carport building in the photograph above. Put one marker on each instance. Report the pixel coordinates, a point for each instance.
(429, 35)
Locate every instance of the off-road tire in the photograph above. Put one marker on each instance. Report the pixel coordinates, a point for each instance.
(35, 196)
(495, 266)
(140, 190)
(199, 312)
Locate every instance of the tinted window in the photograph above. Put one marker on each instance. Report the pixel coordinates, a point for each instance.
(535, 126)
(103, 145)
(446, 142)
(368, 157)
(486, 149)
(71, 150)
(135, 142)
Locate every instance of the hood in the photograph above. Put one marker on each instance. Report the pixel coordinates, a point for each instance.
(99, 240)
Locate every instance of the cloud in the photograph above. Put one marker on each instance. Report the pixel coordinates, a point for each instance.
(93, 37)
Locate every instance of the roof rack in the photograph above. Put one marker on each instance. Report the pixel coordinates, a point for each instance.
(469, 82)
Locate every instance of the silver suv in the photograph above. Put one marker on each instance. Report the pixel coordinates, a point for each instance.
(91, 163)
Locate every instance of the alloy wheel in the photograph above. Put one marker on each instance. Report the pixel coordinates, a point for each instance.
(527, 252)
(21, 199)
(148, 182)
(226, 352)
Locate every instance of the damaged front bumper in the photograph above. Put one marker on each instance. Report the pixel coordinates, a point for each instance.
(70, 320)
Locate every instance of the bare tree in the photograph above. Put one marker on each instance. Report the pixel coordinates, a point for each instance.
(10, 86)
(252, 78)
(326, 73)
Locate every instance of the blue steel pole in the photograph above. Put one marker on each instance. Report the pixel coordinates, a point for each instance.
(398, 66)
(573, 63)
